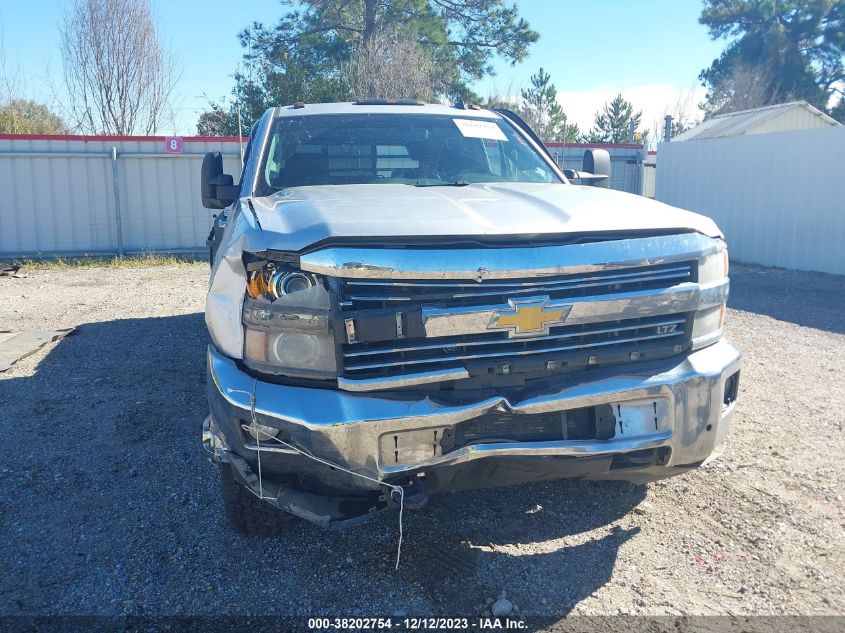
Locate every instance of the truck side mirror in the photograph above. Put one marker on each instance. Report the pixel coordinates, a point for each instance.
(217, 189)
(597, 163)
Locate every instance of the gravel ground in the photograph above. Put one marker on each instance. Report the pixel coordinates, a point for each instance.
(108, 505)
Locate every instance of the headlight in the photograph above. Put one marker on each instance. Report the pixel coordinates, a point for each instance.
(708, 323)
(290, 353)
(714, 267)
(285, 283)
(287, 331)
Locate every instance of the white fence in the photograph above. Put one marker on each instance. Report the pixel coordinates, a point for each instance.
(779, 198)
(101, 195)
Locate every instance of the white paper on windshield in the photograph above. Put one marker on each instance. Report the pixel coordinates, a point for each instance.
(480, 129)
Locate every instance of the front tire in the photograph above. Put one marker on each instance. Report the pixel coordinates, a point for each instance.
(246, 513)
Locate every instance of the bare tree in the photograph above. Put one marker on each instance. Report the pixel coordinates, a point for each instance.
(507, 97)
(119, 76)
(9, 80)
(682, 114)
(747, 87)
(391, 65)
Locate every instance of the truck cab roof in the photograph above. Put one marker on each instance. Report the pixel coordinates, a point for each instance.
(371, 107)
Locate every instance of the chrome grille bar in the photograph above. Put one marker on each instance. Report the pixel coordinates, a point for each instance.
(559, 348)
(465, 342)
(474, 348)
(364, 293)
(527, 289)
(506, 263)
(682, 270)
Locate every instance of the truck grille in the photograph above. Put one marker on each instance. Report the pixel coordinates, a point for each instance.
(365, 294)
(565, 348)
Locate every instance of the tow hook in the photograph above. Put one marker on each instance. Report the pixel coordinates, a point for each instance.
(416, 493)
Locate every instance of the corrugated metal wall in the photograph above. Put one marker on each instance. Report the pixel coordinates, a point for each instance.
(649, 173)
(779, 198)
(58, 195)
(796, 118)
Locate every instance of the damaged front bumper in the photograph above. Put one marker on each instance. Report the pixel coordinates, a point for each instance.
(650, 422)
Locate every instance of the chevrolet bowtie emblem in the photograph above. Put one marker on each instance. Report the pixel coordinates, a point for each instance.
(529, 316)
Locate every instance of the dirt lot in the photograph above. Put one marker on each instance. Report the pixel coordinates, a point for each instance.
(108, 505)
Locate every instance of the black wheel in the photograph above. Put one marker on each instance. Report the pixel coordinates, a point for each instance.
(246, 513)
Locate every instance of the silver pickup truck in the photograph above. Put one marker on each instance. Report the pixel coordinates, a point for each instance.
(410, 298)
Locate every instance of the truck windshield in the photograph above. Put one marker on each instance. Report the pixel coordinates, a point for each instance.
(411, 149)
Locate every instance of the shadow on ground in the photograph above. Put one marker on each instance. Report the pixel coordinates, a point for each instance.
(804, 298)
(108, 506)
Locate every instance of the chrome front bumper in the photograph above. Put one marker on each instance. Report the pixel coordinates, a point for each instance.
(360, 431)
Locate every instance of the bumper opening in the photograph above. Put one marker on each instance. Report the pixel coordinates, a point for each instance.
(584, 423)
(731, 389)
(641, 459)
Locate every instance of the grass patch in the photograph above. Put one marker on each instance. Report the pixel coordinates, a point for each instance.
(143, 260)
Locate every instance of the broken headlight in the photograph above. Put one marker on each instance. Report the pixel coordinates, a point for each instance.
(283, 283)
(708, 324)
(287, 325)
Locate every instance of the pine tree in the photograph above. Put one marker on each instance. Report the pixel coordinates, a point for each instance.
(613, 124)
(543, 113)
(779, 50)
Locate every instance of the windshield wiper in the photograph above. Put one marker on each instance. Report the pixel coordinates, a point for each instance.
(457, 183)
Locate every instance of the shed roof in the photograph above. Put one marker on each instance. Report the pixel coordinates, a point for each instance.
(745, 121)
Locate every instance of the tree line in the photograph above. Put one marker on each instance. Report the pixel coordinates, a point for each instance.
(118, 76)
(777, 51)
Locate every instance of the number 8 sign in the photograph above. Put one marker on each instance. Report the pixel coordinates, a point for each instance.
(173, 144)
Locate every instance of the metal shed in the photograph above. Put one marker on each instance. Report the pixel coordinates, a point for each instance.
(781, 117)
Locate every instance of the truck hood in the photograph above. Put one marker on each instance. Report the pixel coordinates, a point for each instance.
(299, 217)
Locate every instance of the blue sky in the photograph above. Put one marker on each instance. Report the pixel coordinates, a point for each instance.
(650, 50)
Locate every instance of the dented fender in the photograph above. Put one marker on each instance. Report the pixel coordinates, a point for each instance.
(227, 284)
